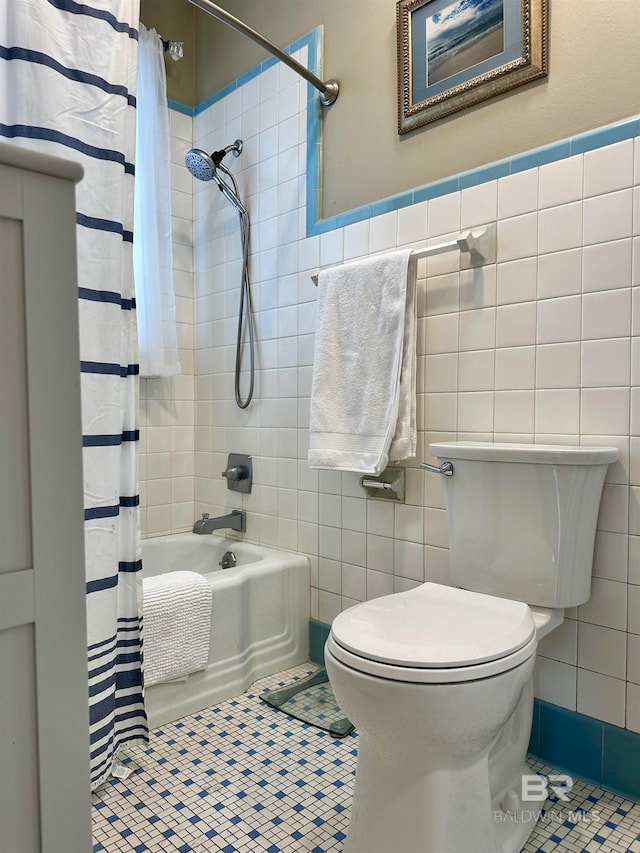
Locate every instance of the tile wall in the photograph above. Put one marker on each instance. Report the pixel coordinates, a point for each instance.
(542, 346)
(167, 405)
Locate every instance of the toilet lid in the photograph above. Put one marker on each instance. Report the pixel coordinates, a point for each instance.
(434, 626)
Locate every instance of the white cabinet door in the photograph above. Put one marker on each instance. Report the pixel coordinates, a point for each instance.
(44, 726)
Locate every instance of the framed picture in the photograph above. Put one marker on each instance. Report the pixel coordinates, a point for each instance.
(455, 53)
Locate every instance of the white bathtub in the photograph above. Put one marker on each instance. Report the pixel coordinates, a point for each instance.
(259, 622)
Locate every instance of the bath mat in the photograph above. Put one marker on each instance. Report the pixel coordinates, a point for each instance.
(311, 700)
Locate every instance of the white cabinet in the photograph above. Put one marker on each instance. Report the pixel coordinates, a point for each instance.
(44, 726)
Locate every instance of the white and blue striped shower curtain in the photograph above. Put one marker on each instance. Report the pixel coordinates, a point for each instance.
(67, 87)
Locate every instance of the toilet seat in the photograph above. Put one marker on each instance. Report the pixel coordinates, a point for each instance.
(434, 634)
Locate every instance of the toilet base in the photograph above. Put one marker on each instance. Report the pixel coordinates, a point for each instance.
(512, 830)
(434, 764)
(474, 826)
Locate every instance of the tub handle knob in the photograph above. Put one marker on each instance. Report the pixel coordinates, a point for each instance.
(236, 472)
(205, 516)
(239, 472)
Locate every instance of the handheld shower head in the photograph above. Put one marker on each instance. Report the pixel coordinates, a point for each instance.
(203, 166)
(200, 164)
(209, 167)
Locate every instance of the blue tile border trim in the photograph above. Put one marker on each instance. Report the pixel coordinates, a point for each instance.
(578, 144)
(179, 107)
(581, 746)
(309, 39)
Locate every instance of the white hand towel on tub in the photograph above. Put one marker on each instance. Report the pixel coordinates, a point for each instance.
(176, 625)
(363, 395)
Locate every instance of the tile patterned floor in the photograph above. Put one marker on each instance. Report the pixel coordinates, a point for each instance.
(244, 777)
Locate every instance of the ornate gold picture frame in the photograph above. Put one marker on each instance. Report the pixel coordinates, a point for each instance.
(455, 53)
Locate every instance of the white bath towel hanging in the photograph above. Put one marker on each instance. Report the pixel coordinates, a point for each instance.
(363, 396)
(177, 625)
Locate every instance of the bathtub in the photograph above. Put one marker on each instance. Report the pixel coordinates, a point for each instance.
(259, 621)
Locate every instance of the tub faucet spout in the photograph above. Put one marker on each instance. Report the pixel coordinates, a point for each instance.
(235, 520)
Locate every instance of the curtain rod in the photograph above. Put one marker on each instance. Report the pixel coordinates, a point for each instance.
(328, 91)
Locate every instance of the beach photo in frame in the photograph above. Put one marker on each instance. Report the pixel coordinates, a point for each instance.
(455, 53)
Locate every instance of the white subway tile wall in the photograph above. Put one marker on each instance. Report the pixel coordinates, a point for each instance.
(167, 410)
(541, 346)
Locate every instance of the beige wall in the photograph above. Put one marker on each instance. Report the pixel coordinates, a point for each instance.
(174, 20)
(593, 80)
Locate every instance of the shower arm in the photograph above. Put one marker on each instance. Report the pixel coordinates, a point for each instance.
(328, 91)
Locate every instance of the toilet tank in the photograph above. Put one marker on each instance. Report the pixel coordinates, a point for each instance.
(522, 518)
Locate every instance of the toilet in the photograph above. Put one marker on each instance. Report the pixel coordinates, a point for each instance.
(439, 680)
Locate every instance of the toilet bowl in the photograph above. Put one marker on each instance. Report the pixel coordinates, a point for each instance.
(438, 680)
(431, 678)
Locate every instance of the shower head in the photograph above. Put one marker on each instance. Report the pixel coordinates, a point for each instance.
(203, 166)
(200, 164)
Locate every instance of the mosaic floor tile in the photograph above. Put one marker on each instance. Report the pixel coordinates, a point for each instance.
(242, 777)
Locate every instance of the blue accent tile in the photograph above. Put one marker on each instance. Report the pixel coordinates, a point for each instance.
(179, 107)
(326, 630)
(248, 76)
(357, 214)
(322, 226)
(604, 136)
(438, 188)
(571, 741)
(226, 90)
(540, 156)
(487, 173)
(621, 761)
(393, 202)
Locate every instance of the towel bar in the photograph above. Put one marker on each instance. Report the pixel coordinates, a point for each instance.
(479, 244)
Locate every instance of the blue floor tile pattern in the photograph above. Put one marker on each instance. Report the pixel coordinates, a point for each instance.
(241, 777)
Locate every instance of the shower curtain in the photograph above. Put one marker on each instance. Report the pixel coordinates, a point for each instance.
(67, 87)
(152, 251)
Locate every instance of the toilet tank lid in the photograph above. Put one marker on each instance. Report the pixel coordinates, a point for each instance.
(547, 454)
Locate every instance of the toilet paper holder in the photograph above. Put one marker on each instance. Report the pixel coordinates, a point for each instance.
(387, 486)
